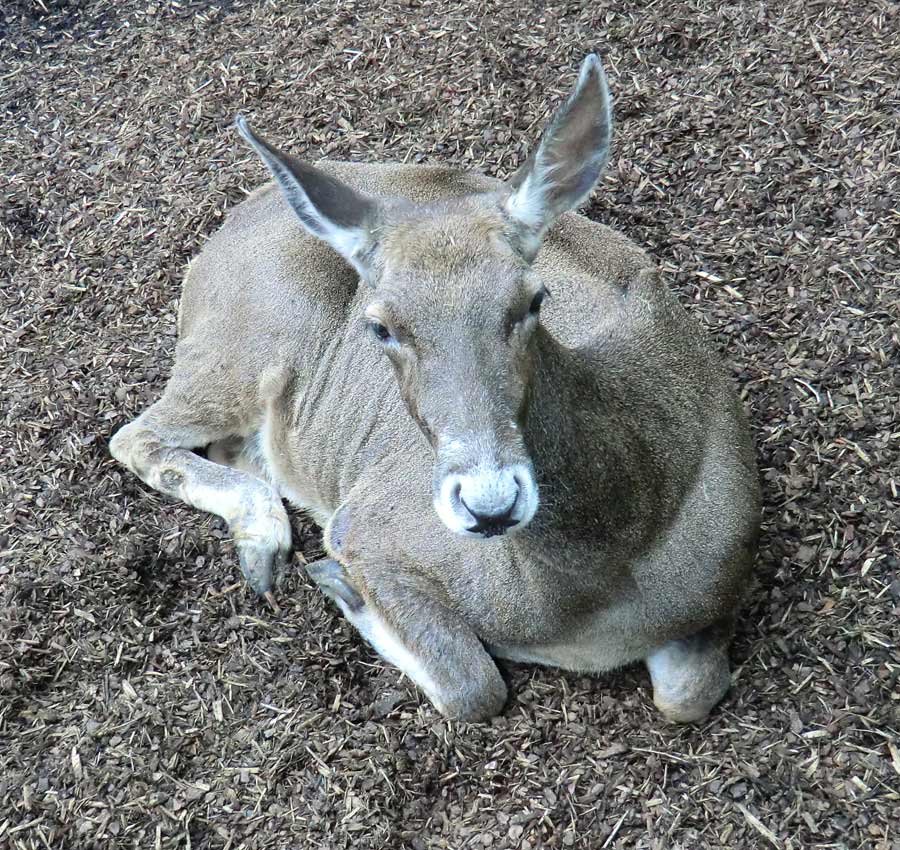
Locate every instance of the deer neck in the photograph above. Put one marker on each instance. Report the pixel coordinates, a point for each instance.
(581, 453)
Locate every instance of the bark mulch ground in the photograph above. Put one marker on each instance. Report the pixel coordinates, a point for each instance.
(147, 700)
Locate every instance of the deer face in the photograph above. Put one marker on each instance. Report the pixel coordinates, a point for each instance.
(455, 309)
(453, 304)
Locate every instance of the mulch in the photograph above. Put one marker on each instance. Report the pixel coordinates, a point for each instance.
(148, 700)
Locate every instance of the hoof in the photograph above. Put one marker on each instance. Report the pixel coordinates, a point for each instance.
(332, 580)
(683, 713)
(690, 677)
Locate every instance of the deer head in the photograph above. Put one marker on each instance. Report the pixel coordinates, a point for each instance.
(452, 302)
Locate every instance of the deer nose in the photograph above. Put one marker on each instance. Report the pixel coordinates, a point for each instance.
(493, 522)
(491, 514)
(487, 500)
(490, 500)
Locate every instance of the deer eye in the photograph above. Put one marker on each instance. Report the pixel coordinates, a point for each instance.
(379, 331)
(535, 307)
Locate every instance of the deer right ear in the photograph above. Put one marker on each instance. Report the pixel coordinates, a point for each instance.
(328, 208)
(566, 163)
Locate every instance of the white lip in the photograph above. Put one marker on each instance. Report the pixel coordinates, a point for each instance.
(487, 488)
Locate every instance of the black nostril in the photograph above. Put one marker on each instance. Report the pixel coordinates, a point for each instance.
(491, 524)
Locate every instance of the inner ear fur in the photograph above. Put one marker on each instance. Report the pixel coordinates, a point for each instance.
(567, 162)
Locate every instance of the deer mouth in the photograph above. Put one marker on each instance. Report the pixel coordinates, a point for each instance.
(493, 529)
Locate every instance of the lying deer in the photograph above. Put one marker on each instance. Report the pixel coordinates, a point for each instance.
(563, 480)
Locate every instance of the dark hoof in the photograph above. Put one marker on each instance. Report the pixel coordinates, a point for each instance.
(332, 581)
(261, 567)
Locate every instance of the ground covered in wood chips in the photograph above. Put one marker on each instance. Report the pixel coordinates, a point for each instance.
(148, 700)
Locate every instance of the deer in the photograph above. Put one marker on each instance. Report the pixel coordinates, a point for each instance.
(518, 443)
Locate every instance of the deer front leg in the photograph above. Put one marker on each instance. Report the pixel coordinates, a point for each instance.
(156, 447)
(428, 642)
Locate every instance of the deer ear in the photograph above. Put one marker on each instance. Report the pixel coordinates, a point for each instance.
(328, 208)
(561, 172)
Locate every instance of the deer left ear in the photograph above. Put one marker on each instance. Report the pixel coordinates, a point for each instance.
(563, 169)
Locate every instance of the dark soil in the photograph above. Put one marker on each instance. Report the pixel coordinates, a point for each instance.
(148, 700)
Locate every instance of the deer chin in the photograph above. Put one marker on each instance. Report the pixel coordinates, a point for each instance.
(487, 501)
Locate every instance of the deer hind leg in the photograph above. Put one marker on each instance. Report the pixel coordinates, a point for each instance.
(428, 642)
(241, 453)
(691, 675)
(157, 448)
